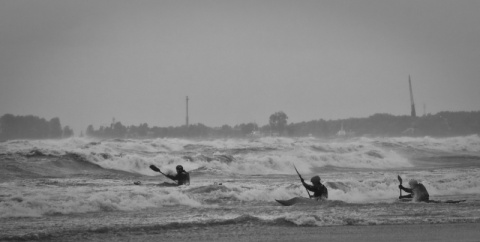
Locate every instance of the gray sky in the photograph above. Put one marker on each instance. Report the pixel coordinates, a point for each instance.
(239, 61)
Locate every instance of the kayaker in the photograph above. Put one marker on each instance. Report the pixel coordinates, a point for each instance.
(182, 177)
(318, 189)
(417, 191)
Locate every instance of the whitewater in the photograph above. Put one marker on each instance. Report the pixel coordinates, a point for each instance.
(56, 188)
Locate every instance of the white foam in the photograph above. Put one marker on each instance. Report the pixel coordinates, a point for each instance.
(41, 200)
(469, 144)
(267, 155)
(277, 159)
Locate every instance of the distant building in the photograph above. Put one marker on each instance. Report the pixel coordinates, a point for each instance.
(341, 132)
(255, 134)
(409, 131)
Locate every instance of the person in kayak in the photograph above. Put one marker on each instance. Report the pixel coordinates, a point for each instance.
(182, 177)
(318, 189)
(417, 191)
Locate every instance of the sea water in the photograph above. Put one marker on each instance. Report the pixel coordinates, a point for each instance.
(53, 188)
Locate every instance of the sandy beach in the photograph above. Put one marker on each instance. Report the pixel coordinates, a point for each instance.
(237, 233)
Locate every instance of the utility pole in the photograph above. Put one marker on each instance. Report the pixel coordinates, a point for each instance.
(413, 113)
(187, 113)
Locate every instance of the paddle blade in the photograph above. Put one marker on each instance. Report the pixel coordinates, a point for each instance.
(400, 180)
(154, 168)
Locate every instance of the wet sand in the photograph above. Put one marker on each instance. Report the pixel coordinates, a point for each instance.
(253, 232)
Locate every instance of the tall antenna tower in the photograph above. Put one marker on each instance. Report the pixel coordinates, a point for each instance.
(413, 113)
(187, 113)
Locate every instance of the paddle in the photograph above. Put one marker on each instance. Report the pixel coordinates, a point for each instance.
(400, 180)
(301, 179)
(154, 168)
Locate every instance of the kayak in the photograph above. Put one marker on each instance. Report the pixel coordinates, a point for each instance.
(447, 201)
(434, 201)
(165, 184)
(299, 200)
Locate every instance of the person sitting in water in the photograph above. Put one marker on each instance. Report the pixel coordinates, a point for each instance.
(318, 189)
(182, 177)
(417, 191)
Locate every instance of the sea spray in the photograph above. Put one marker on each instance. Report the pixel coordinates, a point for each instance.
(90, 183)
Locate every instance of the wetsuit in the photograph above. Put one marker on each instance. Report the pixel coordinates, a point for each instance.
(319, 191)
(183, 178)
(418, 193)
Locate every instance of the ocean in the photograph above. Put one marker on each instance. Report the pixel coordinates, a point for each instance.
(54, 189)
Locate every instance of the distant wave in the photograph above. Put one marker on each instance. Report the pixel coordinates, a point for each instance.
(37, 163)
(267, 155)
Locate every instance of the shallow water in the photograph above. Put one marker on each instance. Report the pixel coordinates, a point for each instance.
(54, 188)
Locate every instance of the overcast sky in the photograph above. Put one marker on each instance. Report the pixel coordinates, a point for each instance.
(89, 61)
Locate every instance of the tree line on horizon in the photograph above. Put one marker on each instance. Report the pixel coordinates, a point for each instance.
(442, 124)
(32, 127)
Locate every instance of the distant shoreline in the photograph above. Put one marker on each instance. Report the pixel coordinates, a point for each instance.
(442, 124)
